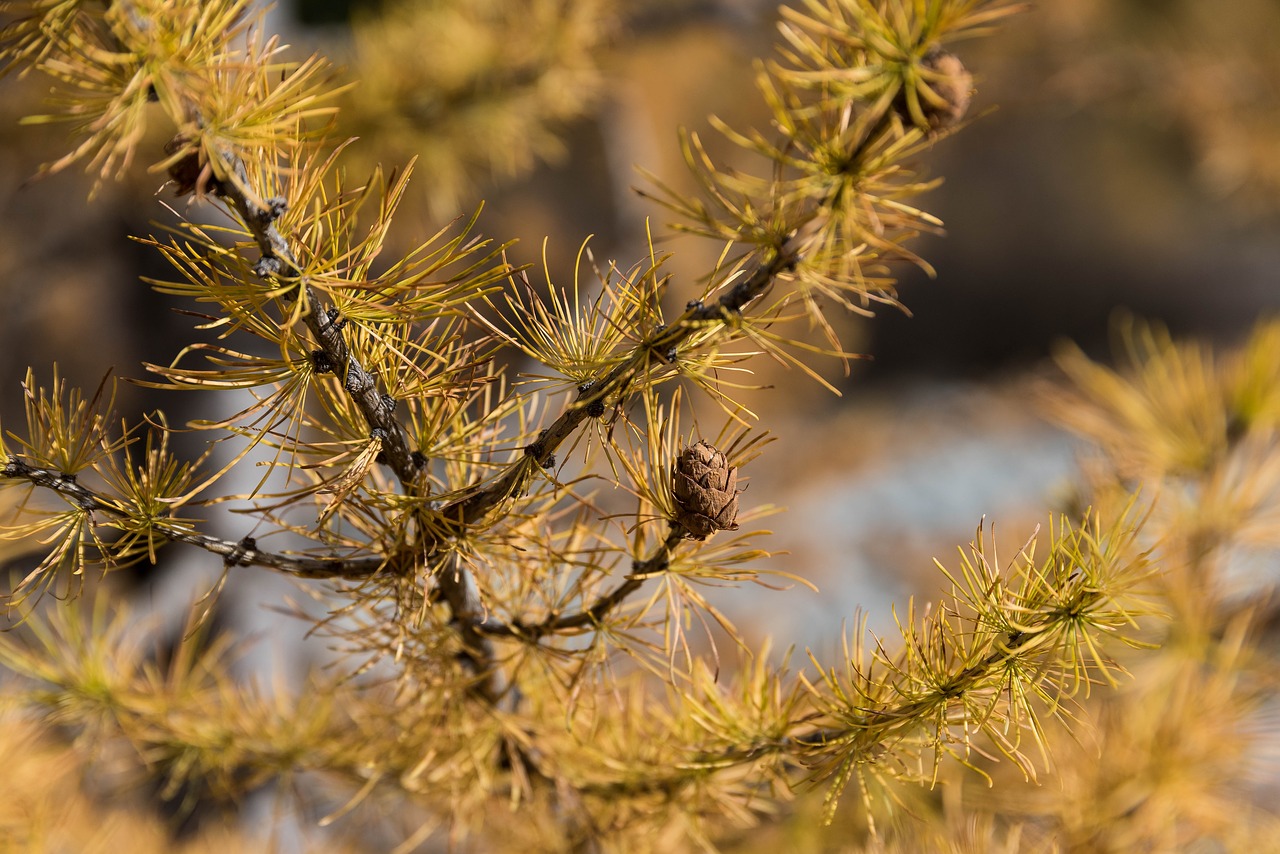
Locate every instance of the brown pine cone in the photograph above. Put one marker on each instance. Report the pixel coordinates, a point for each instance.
(705, 488)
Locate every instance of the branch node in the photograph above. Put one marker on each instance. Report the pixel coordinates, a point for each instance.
(356, 380)
(535, 448)
(268, 266)
(275, 209)
(241, 555)
(320, 362)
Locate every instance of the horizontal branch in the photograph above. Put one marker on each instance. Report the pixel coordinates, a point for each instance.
(242, 553)
(862, 732)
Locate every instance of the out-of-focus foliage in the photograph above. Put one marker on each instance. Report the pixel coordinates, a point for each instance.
(1209, 70)
(216, 77)
(1184, 756)
(472, 88)
(45, 809)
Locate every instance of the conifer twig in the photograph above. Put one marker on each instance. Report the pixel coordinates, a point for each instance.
(242, 553)
(594, 614)
(598, 393)
(1054, 644)
(457, 586)
(326, 326)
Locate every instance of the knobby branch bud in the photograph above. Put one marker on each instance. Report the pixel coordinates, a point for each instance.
(705, 488)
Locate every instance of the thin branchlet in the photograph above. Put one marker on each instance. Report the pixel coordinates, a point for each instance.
(235, 553)
(595, 614)
(910, 704)
(604, 390)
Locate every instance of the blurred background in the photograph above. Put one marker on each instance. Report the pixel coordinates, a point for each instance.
(1122, 156)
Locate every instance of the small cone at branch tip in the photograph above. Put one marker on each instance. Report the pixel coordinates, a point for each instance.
(951, 81)
(188, 174)
(705, 488)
